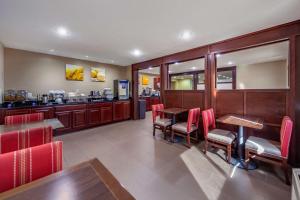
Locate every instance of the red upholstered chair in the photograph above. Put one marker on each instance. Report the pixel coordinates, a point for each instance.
(159, 120)
(22, 119)
(219, 138)
(26, 165)
(21, 139)
(186, 128)
(272, 151)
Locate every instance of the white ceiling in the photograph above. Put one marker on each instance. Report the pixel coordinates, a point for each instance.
(108, 30)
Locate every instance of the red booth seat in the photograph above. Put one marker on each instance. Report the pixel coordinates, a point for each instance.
(21, 139)
(22, 119)
(26, 165)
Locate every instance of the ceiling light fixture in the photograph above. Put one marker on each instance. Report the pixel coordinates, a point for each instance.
(218, 55)
(51, 50)
(186, 35)
(193, 68)
(62, 31)
(136, 52)
(176, 63)
(150, 68)
(230, 63)
(86, 56)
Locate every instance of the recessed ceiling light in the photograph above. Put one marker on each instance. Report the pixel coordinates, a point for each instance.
(150, 68)
(86, 56)
(218, 55)
(112, 61)
(51, 50)
(193, 68)
(186, 35)
(62, 31)
(136, 52)
(176, 63)
(230, 63)
(170, 71)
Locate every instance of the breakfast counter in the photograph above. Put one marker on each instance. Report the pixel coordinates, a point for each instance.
(76, 116)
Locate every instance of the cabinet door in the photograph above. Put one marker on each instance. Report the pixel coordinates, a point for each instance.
(79, 118)
(118, 111)
(126, 107)
(48, 112)
(17, 112)
(94, 116)
(65, 117)
(106, 114)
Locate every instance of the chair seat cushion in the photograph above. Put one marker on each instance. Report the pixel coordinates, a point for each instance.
(163, 122)
(262, 146)
(182, 127)
(220, 135)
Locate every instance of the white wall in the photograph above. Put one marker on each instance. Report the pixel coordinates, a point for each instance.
(39, 73)
(1, 71)
(268, 75)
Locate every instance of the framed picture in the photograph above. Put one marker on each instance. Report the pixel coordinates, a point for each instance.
(145, 80)
(97, 74)
(74, 72)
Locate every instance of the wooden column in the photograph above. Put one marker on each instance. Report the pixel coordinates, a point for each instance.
(295, 141)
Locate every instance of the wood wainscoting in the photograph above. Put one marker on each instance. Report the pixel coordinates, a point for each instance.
(184, 99)
(269, 105)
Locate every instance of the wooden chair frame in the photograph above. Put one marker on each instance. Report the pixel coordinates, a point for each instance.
(162, 128)
(221, 145)
(280, 161)
(187, 136)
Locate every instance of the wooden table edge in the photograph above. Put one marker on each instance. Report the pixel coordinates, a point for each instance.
(118, 191)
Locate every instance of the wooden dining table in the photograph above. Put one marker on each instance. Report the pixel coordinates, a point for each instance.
(241, 121)
(54, 123)
(87, 180)
(173, 112)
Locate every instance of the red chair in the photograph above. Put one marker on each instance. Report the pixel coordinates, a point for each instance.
(272, 151)
(219, 138)
(21, 139)
(159, 121)
(26, 165)
(23, 119)
(186, 128)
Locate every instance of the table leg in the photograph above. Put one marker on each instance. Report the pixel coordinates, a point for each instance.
(173, 119)
(238, 160)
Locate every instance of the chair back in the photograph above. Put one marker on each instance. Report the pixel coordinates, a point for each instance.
(193, 118)
(26, 165)
(285, 135)
(209, 122)
(155, 111)
(23, 119)
(21, 139)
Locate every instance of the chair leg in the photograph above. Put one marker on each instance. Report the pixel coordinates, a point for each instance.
(188, 140)
(165, 132)
(153, 130)
(205, 146)
(247, 159)
(172, 135)
(228, 153)
(285, 169)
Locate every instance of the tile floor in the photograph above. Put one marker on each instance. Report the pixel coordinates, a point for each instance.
(151, 168)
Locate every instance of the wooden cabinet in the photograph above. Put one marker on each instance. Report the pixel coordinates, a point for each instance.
(79, 119)
(48, 111)
(121, 110)
(106, 113)
(94, 116)
(127, 109)
(65, 117)
(118, 112)
(78, 116)
(10, 112)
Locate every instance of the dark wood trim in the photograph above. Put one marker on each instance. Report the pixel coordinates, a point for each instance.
(289, 31)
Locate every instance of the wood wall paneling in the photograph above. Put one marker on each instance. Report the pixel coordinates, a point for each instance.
(229, 102)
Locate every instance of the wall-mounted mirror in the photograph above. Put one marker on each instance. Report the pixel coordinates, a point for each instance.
(263, 67)
(149, 82)
(187, 75)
